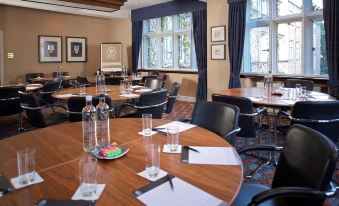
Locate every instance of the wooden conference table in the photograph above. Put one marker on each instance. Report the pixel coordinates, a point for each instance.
(113, 92)
(59, 149)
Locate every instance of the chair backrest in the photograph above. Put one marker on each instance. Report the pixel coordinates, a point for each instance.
(76, 104)
(153, 73)
(164, 79)
(217, 117)
(113, 80)
(308, 112)
(30, 104)
(308, 159)
(55, 74)
(291, 83)
(152, 103)
(10, 100)
(51, 86)
(143, 79)
(153, 83)
(82, 80)
(33, 75)
(172, 97)
(246, 121)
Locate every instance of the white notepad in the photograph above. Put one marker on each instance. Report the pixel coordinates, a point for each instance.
(211, 156)
(182, 126)
(183, 194)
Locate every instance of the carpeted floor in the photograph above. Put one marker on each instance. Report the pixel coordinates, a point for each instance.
(183, 110)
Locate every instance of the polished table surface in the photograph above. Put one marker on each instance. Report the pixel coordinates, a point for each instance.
(59, 148)
(271, 100)
(113, 92)
(28, 87)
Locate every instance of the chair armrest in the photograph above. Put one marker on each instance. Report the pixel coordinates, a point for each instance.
(292, 192)
(284, 113)
(123, 106)
(55, 105)
(232, 132)
(263, 147)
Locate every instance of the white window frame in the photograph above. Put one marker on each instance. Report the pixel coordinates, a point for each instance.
(306, 17)
(174, 33)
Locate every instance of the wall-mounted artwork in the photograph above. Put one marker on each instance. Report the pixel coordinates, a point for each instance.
(50, 49)
(218, 52)
(76, 49)
(111, 56)
(218, 33)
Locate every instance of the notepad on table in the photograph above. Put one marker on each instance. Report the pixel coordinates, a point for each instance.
(182, 126)
(210, 155)
(182, 194)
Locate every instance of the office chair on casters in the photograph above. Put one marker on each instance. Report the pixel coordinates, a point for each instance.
(172, 97)
(303, 174)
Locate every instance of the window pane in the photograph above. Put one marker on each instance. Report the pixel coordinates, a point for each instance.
(152, 52)
(167, 52)
(317, 4)
(184, 21)
(166, 23)
(289, 48)
(319, 49)
(288, 7)
(184, 51)
(152, 25)
(259, 49)
(258, 9)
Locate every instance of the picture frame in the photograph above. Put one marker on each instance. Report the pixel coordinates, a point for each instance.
(50, 49)
(76, 48)
(111, 56)
(218, 33)
(218, 51)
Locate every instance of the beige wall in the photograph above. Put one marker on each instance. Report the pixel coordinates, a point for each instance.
(217, 70)
(22, 26)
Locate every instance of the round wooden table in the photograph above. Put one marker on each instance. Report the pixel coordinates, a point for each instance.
(59, 149)
(113, 92)
(256, 95)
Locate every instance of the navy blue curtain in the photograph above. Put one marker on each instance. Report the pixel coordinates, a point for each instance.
(137, 27)
(200, 40)
(331, 19)
(236, 35)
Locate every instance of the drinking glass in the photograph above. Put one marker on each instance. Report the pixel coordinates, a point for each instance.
(87, 176)
(173, 138)
(152, 160)
(122, 87)
(147, 124)
(297, 90)
(26, 165)
(82, 89)
(129, 87)
(303, 92)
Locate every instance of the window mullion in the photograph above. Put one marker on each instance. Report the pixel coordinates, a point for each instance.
(273, 37)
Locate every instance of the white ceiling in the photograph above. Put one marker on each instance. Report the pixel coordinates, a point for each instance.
(124, 11)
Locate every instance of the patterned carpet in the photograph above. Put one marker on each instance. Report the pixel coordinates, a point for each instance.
(183, 110)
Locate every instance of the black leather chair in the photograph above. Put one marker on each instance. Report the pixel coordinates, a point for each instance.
(153, 83)
(76, 104)
(149, 103)
(55, 74)
(303, 175)
(143, 80)
(164, 79)
(47, 90)
(81, 80)
(39, 116)
(30, 76)
(291, 83)
(217, 117)
(113, 80)
(153, 73)
(172, 97)
(65, 83)
(10, 102)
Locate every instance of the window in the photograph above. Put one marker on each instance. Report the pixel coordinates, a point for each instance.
(168, 43)
(285, 37)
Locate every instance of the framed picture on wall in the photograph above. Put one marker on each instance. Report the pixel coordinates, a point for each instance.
(111, 56)
(218, 51)
(76, 49)
(218, 33)
(50, 49)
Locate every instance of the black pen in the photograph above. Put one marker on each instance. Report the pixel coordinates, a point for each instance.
(190, 148)
(157, 129)
(170, 181)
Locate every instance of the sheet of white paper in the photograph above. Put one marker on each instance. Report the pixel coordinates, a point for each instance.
(129, 95)
(166, 149)
(184, 194)
(182, 126)
(64, 95)
(137, 86)
(288, 101)
(161, 174)
(17, 185)
(143, 90)
(213, 156)
(77, 195)
(255, 98)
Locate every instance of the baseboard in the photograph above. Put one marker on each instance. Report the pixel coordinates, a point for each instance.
(186, 98)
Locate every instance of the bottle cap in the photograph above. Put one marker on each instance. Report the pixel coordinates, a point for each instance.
(88, 98)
